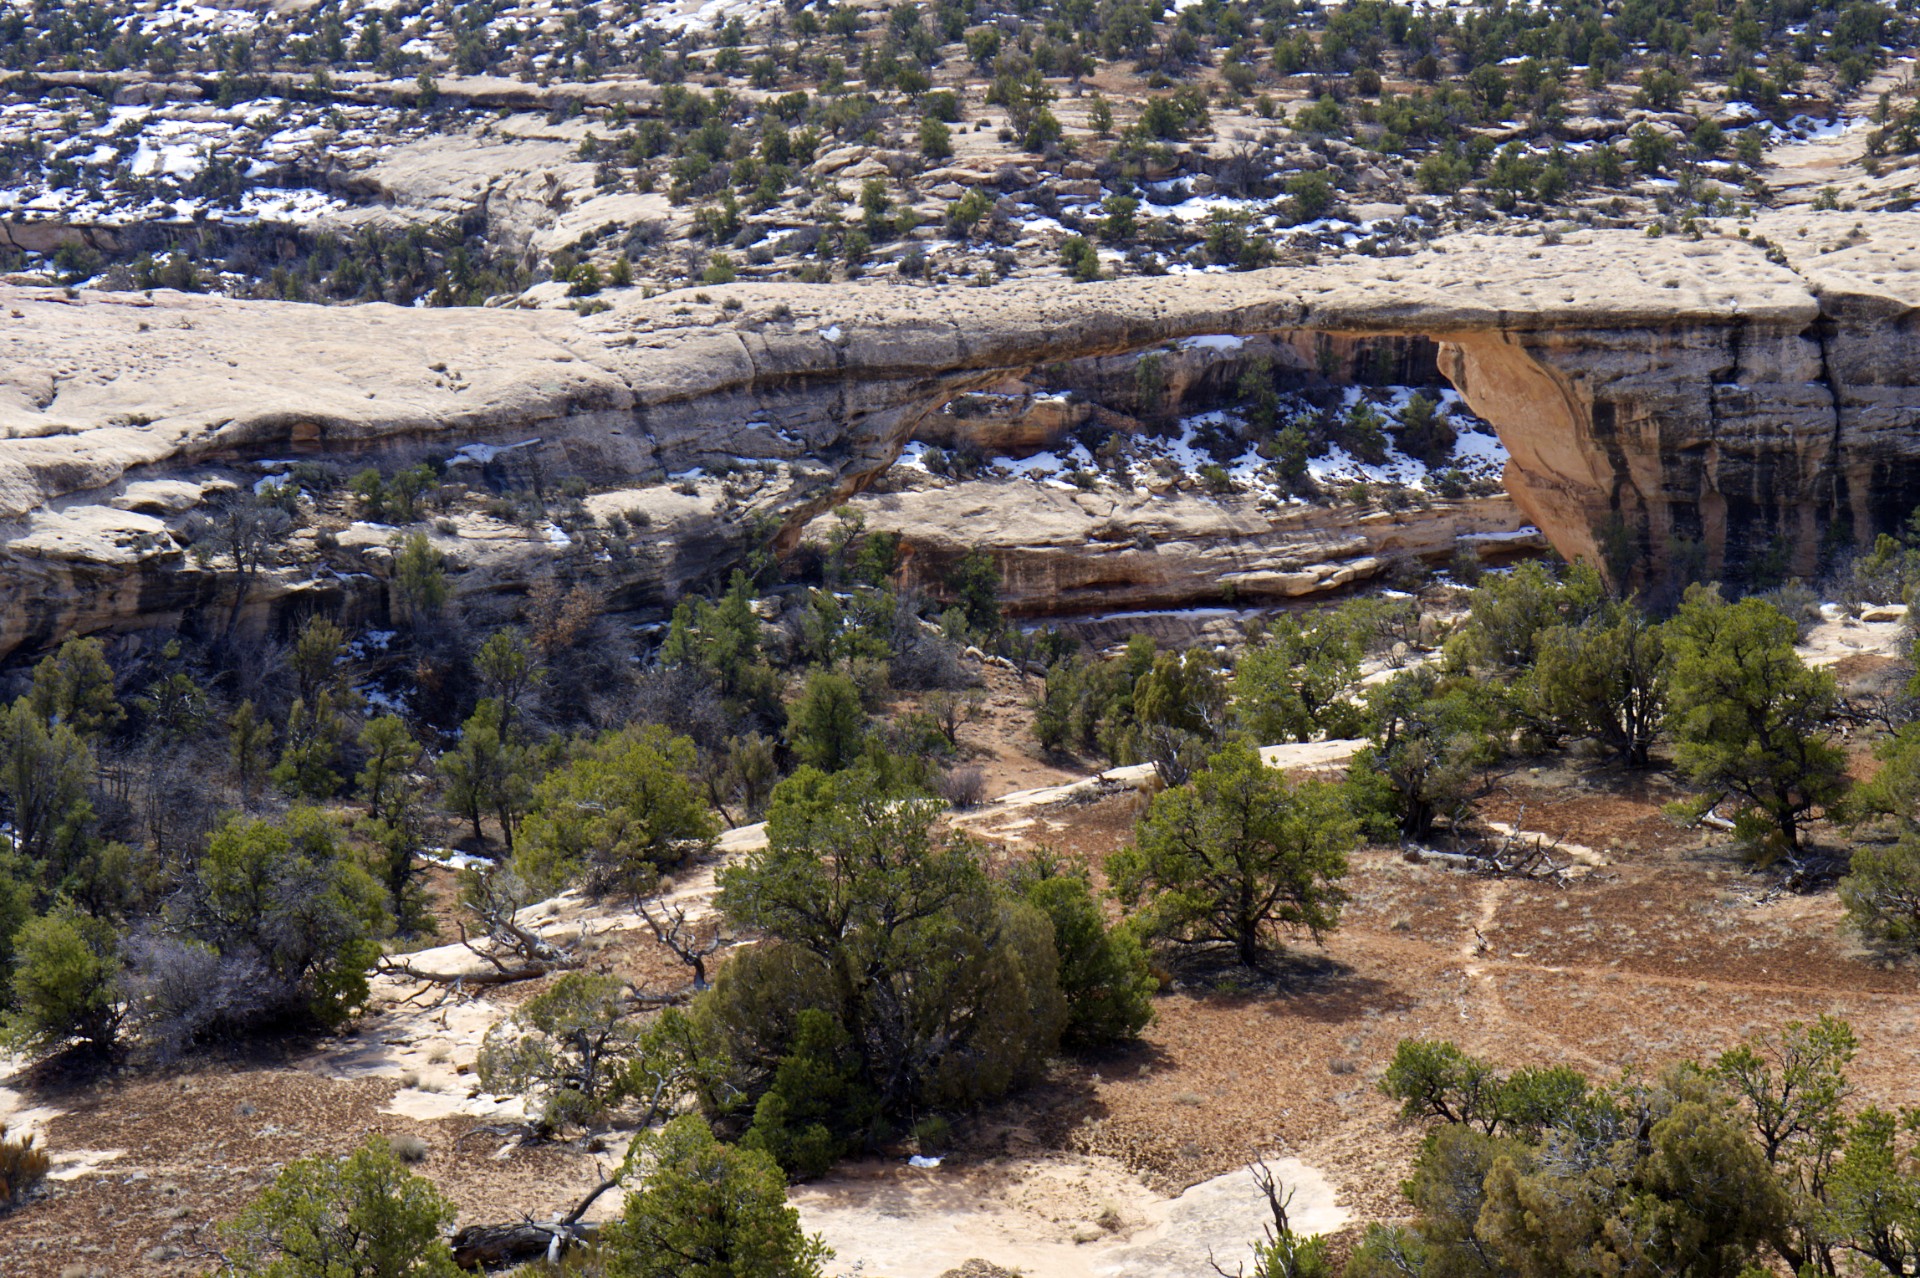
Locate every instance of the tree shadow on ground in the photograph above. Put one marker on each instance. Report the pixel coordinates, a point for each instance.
(1045, 1115)
(63, 1076)
(1316, 987)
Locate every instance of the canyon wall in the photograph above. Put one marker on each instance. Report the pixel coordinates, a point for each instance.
(1653, 393)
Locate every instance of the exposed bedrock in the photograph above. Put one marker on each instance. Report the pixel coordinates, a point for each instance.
(1651, 393)
(1069, 552)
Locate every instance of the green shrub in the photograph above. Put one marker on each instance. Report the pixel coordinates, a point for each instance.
(585, 281)
(936, 140)
(827, 726)
(65, 981)
(1530, 1170)
(568, 1048)
(816, 1108)
(1237, 854)
(1104, 973)
(1882, 892)
(288, 895)
(1751, 719)
(702, 1209)
(881, 926)
(1605, 677)
(1080, 258)
(1294, 683)
(364, 1214)
(1434, 740)
(1311, 195)
(621, 810)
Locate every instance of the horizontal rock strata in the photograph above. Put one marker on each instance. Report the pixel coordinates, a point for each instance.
(1652, 393)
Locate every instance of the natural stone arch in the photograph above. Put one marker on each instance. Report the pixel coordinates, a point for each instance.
(1650, 391)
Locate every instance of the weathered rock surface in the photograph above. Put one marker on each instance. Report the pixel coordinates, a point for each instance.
(1648, 390)
(1062, 551)
(518, 183)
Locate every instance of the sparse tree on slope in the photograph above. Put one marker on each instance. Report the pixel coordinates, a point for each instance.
(1750, 719)
(1238, 854)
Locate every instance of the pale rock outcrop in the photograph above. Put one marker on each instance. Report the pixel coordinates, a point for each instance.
(1011, 419)
(517, 184)
(1060, 551)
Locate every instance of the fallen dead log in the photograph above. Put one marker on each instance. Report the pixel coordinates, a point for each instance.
(644, 1000)
(1452, 860)
(525, 1131)
(498, 976)
(1532, 863)
(1803, 874)
(535, 957)
(496, 1246)
(491, 1246)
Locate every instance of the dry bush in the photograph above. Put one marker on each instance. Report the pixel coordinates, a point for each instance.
(185, 993)
(409, 1149)
(963, 787)
(22, 1166)
(922, 660)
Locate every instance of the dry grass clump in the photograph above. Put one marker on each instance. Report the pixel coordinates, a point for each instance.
(22, 1166)
(409, 1148)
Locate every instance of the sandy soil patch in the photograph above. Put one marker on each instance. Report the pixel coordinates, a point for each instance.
(1878, 632)
(1052, 1217)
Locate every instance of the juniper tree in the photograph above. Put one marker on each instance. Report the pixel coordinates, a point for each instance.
(702, 1209)
(936, 986)
(361, 1216)
(1238, 854)
(1750, 719)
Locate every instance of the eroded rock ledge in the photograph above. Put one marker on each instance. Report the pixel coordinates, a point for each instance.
(1649, 391)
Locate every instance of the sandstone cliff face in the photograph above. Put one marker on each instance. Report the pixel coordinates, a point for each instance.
(1630, 446)
(1777, 431)
(1648, 391)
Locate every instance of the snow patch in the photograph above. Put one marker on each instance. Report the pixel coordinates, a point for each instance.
(484, 454)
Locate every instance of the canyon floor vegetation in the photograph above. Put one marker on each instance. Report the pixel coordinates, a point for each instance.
(747, 910)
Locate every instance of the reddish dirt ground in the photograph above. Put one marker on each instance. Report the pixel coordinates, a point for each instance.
(1669, 950)
(998, 737)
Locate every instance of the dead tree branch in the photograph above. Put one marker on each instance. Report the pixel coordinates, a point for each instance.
(691, 942)
(491, 1246)
(1512, 855)
(512, 950)
(1278, 1203)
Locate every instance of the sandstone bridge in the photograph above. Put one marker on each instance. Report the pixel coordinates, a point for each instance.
(1750, 392)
